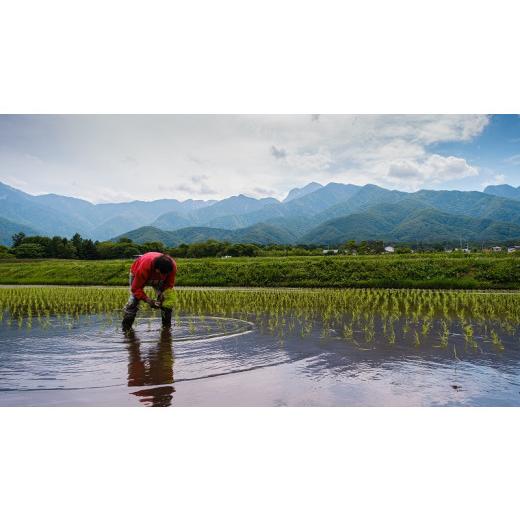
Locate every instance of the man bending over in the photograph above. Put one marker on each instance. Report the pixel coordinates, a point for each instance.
(158, 271)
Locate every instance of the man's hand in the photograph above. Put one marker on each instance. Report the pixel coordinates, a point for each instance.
(152, 303)
(160, 298)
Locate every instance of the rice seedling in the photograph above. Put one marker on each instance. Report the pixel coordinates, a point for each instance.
(469, 335)
(497, 342)
(444, 334)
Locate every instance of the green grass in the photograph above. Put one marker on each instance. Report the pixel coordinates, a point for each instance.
(414, 271)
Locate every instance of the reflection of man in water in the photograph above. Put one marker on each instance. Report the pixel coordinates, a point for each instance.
(155, 368)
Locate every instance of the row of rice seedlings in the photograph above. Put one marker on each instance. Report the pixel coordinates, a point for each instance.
(354, 314)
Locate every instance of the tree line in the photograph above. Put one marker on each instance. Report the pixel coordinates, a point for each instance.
(76, 247)
(81, 248)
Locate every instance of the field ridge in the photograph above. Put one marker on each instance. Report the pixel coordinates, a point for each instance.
(428, 271)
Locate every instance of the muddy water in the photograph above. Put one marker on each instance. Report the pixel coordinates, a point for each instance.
(228, 362)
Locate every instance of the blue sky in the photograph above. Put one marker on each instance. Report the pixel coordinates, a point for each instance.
(496, 152)
(117, 158)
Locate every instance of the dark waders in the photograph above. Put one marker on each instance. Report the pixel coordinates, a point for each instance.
(132, 307)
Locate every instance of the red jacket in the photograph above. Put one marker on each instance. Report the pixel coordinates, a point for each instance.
(144, 274)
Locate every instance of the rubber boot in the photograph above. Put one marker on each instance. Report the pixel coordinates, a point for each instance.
(166, 316)
(128, 321)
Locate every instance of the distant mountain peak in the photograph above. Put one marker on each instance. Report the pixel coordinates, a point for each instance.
(503, 190)
(296, 193)
(507, 186)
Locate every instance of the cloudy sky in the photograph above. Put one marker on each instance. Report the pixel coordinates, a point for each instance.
(119, 158)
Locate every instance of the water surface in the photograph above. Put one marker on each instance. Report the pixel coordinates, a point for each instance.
(218, 361)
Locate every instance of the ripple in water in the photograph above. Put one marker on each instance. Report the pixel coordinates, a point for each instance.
(91, 355)
(193, 328)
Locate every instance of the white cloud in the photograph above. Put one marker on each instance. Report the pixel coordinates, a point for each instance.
(497, 179)
(492, 178)
(147, 157)
(260, 192)
(433, 170)
(309, 161)
(514, 160)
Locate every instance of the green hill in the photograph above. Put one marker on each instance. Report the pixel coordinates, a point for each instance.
(504, 190)
(366, 197)
(257, 234)
(410, 221)
(8, 228)
(471, 204)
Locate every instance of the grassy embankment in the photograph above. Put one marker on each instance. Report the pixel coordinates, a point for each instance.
(392, 271)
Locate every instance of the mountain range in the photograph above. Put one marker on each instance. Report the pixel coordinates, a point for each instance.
(314, 214)
(504, 190)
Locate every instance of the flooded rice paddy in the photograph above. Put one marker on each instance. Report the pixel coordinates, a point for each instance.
(63, 346)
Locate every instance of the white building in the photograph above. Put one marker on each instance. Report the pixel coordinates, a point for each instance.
(330, 251)
(513, 249)
(389, 249)
(496, 249)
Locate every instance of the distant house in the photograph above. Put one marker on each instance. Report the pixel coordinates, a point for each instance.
(389, 249)
(496, 249)
(330, 251)
(463, 250)
(513, 249)
(226, 256)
